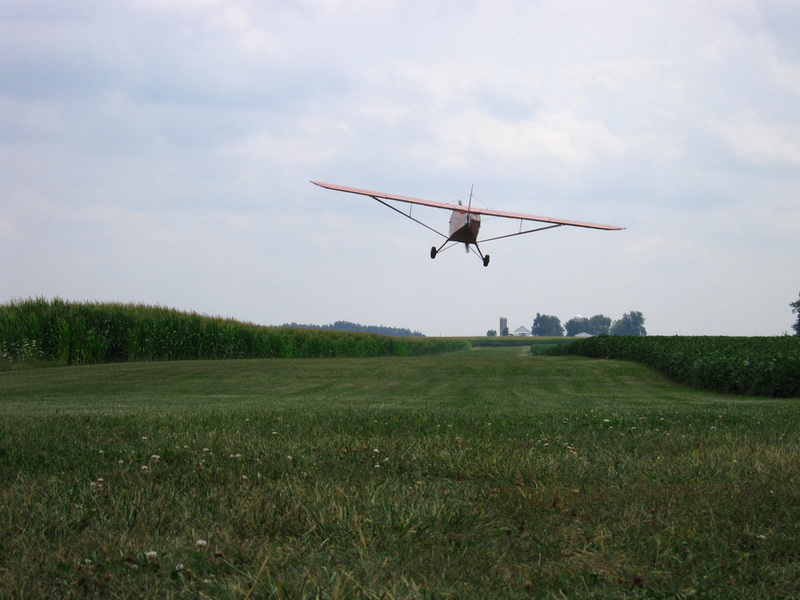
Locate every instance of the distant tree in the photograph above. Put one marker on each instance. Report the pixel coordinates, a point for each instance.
(796, 309)
(599, 325)
(631, 323)
(348, 326)
(577, 325)
(505, 331)
(491, 333)
(547, 325)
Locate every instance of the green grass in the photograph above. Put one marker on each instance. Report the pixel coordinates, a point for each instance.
(492, 473)
(537, 344)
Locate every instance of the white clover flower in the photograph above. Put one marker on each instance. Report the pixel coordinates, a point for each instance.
(155, 457)
(179, 567)
(150, 555)
(201, 543)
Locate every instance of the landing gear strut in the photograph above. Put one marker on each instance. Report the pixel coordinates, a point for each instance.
(484, 258)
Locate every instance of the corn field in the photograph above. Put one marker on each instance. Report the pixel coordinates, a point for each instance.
(759, 366)
(74, 333)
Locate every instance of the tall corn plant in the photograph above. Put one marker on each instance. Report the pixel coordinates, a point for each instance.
(766, 366)
(90, 333)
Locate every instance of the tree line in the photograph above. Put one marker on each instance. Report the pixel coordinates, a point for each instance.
(357, 327)
(631, 323)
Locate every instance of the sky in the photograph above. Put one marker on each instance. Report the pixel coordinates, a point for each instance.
(161, 152)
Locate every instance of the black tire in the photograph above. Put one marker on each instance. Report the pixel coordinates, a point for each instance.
(433, 251)
(486, 261)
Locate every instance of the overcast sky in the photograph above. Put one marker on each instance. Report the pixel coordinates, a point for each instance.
(160, 152)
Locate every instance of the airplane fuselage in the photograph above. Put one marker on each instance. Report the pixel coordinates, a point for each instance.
(464, 227)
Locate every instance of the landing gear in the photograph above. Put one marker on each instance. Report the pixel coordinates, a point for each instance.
(476, 250)
(485, 258)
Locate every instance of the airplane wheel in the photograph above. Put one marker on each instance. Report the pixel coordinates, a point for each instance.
(486, 261)
(433, 251)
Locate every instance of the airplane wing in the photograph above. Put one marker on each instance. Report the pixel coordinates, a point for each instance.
(480, 211)
(384, 196)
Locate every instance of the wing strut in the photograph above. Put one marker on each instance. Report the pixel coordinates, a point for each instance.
(408, 216)
(500, 237)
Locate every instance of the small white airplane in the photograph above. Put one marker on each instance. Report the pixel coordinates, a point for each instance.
(465, 222)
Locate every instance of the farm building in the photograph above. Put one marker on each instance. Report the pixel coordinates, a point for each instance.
(522, 332)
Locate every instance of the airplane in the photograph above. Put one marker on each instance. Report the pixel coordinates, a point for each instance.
(465, 222)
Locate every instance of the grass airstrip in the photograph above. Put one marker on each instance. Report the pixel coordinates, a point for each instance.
(487, 473)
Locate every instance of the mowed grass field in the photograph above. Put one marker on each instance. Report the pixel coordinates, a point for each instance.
(489, 473)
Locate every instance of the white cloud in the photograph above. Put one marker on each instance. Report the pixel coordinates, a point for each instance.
(168, 146)
(759, 142)
(560, 136)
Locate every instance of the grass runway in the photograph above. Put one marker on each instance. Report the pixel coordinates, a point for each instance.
(491, 473)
